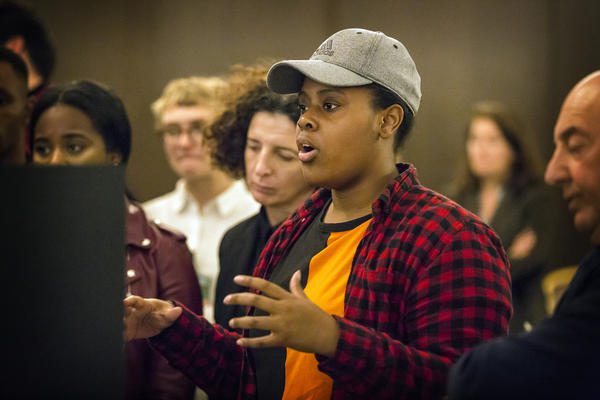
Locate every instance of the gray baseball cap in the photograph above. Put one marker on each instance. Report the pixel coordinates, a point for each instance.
(353, 57)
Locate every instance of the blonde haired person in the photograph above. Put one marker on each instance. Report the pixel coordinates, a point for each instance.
(206, 201)
(192, 91)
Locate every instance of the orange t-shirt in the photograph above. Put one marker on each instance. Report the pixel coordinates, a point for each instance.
(328, 274)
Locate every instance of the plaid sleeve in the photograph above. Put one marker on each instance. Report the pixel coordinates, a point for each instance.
(208, 355)
(461, 297)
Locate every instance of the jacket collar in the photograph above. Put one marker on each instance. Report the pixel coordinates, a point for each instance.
(402, 183)
(224, 203)
(137, 228)
(182, 198)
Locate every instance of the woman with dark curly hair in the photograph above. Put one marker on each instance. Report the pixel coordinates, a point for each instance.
(503, 186)
(256, 139)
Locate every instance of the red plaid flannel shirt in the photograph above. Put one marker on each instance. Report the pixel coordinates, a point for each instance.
(429, 281)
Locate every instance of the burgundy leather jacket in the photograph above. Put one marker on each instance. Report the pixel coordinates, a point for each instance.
(159, 265)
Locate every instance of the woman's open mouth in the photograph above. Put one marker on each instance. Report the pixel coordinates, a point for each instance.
(306, 152)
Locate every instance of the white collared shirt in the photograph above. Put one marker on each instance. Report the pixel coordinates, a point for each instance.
(204, 228)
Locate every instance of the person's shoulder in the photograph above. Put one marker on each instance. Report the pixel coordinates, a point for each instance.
(430, 211)
(168, 230)
(244, 226)
(242, 230)
(147, 233)
(429, 204)
(159, 202)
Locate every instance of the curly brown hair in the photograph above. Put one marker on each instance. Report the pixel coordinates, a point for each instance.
(228, 134)
(243, 78)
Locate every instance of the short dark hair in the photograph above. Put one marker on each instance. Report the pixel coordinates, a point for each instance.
(17, 20)
(229, 133)
(16, 63)
(100, 103)
(382, 99)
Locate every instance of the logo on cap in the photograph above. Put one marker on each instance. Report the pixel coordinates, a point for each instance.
(325, 49)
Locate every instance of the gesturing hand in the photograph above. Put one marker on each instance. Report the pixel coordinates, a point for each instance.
(294, 320)
(147, 317)
(522, 244)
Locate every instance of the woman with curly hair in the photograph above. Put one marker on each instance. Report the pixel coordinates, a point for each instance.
(256, 139)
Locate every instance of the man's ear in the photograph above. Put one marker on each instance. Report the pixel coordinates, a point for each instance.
(115, 158)
(16, 44)
(29, 105)
(391, 119)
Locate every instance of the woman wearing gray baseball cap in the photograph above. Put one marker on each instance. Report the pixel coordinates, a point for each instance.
(389, 282)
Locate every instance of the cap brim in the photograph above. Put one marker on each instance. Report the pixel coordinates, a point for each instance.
(288, 76)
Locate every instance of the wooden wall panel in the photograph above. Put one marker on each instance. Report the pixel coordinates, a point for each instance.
(525, 53)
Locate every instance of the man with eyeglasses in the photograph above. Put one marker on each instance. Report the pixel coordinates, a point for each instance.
(206, 202)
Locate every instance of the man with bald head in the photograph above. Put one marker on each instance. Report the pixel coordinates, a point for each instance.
(560, 359)
(15, 107)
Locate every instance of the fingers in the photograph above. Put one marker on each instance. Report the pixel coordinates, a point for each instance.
(263, 341)
(267, 288)
(532, 237)
(527, 233)
(264, 323)
(128, 311)
(252, 300)
(269, 292)
(296, 285)
(134, 301)
(148, 317)
(523, 244)
(172, 314)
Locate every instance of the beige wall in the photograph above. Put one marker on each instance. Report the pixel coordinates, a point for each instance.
(525, 53)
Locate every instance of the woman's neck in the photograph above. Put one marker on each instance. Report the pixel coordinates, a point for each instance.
(278, 213)
(490, 184)
(490, 195)
(357, 201)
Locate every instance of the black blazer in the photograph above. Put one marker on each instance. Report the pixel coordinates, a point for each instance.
(559, 359)
(238, 254)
